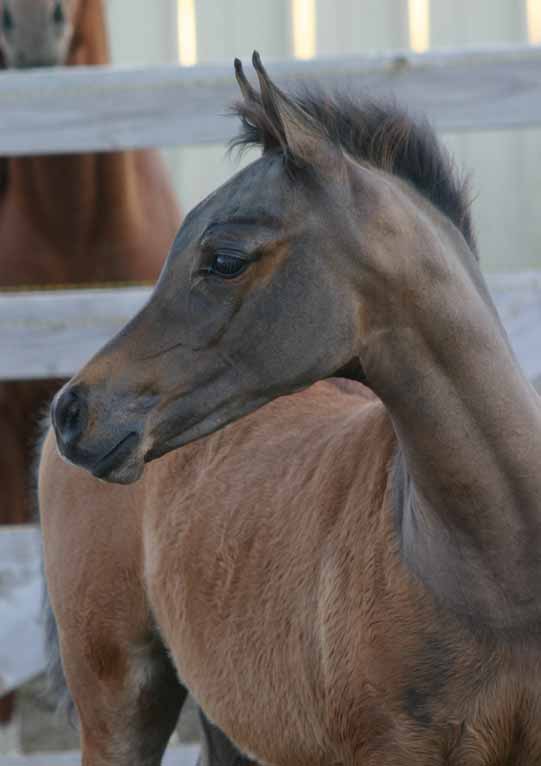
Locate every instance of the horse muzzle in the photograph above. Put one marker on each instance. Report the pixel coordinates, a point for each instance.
(111, 453)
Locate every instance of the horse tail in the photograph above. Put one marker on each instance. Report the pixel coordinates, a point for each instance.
(3, 160)
(56, 685)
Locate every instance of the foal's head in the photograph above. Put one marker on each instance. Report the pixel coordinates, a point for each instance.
(266, 287)
(36, 33)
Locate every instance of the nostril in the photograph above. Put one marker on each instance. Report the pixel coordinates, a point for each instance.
(69, 415)
(71, 409)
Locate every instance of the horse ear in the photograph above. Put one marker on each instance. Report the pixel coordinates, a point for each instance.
(299, 135)
(248, 93)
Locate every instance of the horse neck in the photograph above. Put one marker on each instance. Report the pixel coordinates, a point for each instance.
(90, 46)
(69, 194)
(468, 497)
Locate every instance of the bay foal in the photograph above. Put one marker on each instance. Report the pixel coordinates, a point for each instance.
(350, 574)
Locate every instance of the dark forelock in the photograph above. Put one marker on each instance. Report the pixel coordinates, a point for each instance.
(381, 135)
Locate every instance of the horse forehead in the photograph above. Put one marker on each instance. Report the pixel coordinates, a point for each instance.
(256, 191)
(32, 15)
(28, 12)
(24, 6)
(258, 187)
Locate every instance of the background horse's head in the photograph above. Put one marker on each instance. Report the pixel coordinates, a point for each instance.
(274, 281)
(36, 33)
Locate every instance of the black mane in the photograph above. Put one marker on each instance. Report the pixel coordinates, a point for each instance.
(381, 135)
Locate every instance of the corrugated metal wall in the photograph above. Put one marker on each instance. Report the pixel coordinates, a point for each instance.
(505, 166)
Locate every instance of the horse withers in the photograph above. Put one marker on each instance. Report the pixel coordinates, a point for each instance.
(342, 571)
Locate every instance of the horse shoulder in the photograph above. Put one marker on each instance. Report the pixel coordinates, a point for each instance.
(91, 529)
(258, 536)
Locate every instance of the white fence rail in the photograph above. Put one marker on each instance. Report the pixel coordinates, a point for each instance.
(102, 108)
(51, 334)
(22, 645)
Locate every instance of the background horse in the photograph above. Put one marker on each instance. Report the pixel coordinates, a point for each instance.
(350, 574)
(82, 218)
(71, 219)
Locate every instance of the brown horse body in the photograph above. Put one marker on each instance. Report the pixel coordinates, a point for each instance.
(345, 575)
(72, 219)
(272, 568)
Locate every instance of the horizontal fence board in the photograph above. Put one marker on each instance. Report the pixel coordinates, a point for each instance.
(103, 108)
(185, 755)
(22, 646)
(51, 334)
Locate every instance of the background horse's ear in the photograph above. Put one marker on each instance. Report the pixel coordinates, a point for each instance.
(299, 134)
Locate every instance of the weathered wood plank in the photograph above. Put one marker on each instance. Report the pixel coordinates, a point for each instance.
(185, 755)
(22, 651)
(102, 108)
(51, 334)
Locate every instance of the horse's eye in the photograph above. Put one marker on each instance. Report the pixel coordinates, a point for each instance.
(58, 14)
(228, 265)
(7, 20)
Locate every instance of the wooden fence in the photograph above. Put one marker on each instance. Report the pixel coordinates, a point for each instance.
(101, 108)
(44, 334)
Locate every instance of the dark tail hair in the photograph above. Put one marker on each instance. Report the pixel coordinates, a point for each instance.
(56, 680)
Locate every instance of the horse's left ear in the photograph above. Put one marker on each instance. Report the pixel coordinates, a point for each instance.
(304, 140)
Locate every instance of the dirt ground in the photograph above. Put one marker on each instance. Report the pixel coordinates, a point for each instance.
(43, 729)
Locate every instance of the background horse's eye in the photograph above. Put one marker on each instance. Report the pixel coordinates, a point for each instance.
(228, 265)
(58, 14)
(7, 20)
